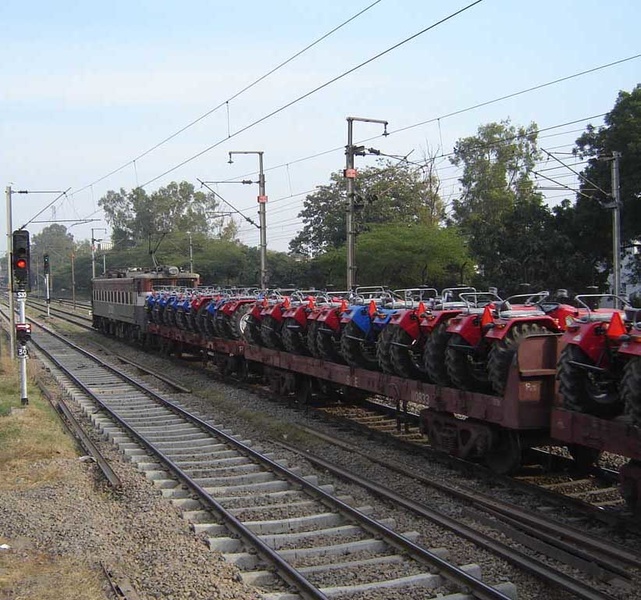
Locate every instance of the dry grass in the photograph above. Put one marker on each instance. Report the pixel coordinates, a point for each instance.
(28, 575)
(27, 435)
(32, 441)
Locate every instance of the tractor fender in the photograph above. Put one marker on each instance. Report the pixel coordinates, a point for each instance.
(631, 348)
(590, 337)
(500, 330)
(360, 317)
(468, 327)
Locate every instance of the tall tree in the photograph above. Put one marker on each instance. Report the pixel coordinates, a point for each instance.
(136, 216)
(390, 193)
(621, 133)
(499, 211)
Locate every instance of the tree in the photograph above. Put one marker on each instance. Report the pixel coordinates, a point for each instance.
(621, 133)
(136, 216)
(499, 211)
(389, 193)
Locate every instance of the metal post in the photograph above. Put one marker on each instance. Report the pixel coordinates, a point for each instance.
(262, 221)
(24, 398)
(191, 254)
(73, 280)
(12, 317)
(616, 225)
(350, 175)
(93, 249)
(262, 202)
(47, 294)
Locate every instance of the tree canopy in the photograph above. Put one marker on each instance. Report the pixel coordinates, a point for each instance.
(136, 216)
(390, 193)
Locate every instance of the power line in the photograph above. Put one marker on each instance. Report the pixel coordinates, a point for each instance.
(233, 97)
(313, 91)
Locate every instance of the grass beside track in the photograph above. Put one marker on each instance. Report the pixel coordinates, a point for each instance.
(33, 452)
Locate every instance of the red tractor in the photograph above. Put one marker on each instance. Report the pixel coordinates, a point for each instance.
(630, 351)
(400, 340)
(465, 357)
(513, 322)
(599, 346)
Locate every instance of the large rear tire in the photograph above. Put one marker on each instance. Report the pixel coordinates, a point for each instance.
(464, 368)
(503, 351)
(356, 349)
(328, 345)
(238, 321)
(252, 331)
(294, 337)
(270, 332)
(585, 390)
(406, 354)
(631, 389)
(434, 355)
(312, 338)
(384, 347)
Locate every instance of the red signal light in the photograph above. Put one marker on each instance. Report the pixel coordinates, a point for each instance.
(21, 263)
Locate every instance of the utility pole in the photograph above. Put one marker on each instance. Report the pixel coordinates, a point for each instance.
(93, 249)
(616, 224)
(12, 316)
(350, 175)
(262, 217)
(191, 254)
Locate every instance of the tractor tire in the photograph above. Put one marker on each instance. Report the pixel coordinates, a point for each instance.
(464, 371)
(328, 346)
(384, 347)
(252, 331)
(312, 338)
(586, 391)
(406, 361)
(631, 389)
(355, 348)
(239, 321)
(294, 337)
(270, 333)
(503, 352)
(208, 321)
(434, 355)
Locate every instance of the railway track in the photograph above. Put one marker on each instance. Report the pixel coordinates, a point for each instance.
(268, 519)
(594, 492)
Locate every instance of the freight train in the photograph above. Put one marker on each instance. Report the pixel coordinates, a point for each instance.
(491, 377)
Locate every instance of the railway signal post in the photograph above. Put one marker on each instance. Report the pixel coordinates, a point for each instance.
(20, 258)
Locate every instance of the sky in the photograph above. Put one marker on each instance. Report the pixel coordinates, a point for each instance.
(90, 89)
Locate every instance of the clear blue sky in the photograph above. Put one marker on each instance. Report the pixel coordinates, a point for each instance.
(89, 86)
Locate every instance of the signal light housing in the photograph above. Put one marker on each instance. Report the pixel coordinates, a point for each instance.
(20, 261)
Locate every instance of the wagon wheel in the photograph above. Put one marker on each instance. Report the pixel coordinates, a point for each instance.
(503, 351)
(631, 389)
(585, 390)
(584, 457)
(505, 456)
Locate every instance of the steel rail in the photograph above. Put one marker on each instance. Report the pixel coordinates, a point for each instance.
(511, 555)
(479, 589)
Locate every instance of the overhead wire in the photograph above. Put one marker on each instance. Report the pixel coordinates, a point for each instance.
(313, 91)
(233, 97)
